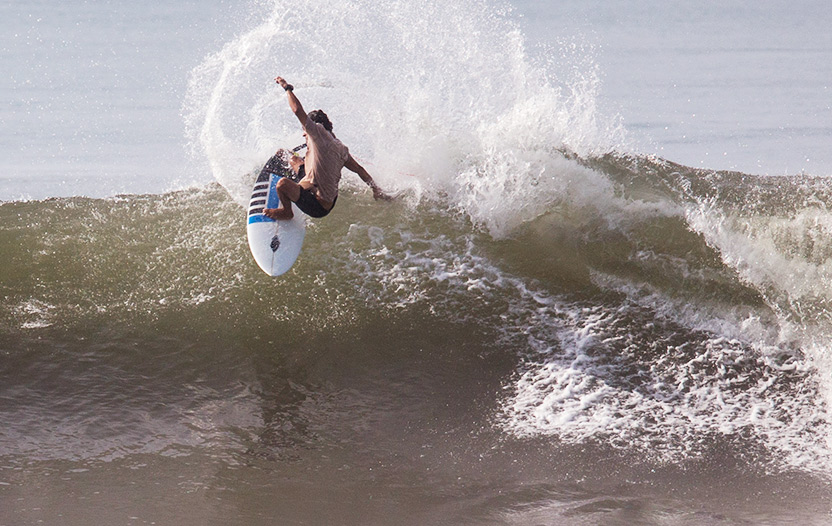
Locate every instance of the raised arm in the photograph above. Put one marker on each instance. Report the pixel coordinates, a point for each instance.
(294, 103)
(353, 166)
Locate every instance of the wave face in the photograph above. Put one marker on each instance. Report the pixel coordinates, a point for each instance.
(686, 313)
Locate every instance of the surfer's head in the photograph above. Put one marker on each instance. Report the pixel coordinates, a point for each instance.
(320, 117)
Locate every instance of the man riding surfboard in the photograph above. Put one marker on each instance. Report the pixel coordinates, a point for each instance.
(316, 193)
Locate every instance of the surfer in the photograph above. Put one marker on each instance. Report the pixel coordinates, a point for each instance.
(317, 192)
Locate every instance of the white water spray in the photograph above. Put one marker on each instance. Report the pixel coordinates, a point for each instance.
(437, 98)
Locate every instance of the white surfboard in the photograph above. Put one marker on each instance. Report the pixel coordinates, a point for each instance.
(275, 245)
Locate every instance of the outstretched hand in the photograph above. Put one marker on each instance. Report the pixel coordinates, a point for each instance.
(378, 194)
(282, 83)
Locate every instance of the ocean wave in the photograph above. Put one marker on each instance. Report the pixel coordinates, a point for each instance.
(635, 319)
(646, 305)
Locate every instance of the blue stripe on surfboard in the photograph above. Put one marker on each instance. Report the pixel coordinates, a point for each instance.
(259, 218)
(256, 211)
(273, 201)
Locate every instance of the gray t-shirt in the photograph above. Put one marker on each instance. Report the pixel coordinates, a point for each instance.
(325, 156)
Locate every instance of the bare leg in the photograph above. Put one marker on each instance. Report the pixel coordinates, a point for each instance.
(288, 191)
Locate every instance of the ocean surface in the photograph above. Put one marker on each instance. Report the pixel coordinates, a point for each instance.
(603, 295)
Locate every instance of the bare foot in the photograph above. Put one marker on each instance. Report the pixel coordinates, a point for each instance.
(278, 213)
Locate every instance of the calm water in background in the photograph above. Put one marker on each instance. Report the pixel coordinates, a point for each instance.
(93, 93)
(95, 89)
(720, 85)
(551, 326)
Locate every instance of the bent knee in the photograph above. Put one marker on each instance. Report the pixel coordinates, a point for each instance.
(289, 188)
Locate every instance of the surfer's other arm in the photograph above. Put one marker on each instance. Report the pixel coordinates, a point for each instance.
(294, 103)
(353, 166)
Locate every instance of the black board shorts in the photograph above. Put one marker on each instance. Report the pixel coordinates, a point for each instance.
(309, 204)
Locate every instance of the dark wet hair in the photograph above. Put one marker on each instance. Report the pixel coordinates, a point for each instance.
(321, 118)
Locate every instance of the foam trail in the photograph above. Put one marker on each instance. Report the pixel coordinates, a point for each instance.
(783, 252)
